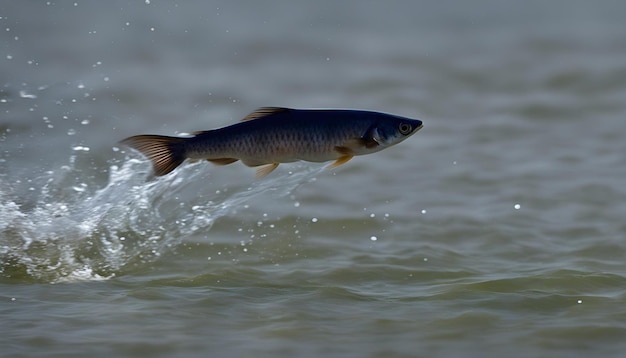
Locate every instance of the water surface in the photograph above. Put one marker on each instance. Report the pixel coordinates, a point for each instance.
(497, 229)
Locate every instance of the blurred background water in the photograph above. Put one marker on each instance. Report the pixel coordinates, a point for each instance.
(497, 229)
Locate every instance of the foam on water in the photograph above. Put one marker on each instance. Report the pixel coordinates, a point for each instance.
(73, 232)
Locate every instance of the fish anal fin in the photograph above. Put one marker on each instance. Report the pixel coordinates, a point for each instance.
(264, 111)
(223, 161)
(265, 169)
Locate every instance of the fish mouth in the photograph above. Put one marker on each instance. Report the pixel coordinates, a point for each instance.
(418, 128)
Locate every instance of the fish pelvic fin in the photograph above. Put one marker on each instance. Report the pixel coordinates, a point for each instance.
(165, 153)
(263, 112)
(223, 161)
(266, 169)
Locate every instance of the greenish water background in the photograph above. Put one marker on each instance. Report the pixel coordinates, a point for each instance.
(498, 229)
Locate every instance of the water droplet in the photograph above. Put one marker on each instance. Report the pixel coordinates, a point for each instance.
(373, 238)
(517, 206)
(23, 94)
(314, 220)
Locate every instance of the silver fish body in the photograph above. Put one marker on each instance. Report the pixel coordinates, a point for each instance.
(273, 135)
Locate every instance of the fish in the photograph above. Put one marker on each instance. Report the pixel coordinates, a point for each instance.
(273, 135)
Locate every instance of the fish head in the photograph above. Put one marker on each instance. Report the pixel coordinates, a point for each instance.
(389, 130)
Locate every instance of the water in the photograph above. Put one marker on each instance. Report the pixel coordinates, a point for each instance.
(497, 229)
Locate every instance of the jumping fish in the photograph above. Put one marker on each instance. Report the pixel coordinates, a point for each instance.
(273, 135)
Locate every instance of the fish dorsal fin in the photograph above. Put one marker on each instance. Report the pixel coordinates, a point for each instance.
(264, 111)
(197, 133)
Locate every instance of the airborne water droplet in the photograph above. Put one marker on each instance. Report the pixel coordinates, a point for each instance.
(24, 94)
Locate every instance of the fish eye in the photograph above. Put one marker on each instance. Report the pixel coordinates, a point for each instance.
(404, 128)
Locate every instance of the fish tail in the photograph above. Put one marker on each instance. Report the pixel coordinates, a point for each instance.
(165, 153)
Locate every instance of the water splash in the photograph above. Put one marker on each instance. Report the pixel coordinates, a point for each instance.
(73, 232)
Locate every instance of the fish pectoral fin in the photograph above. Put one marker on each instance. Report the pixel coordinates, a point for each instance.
(222, 161)
(346, 154)
(344, 150)
(265, 169)
(350, 146)
(341, 160)
(355, 144)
